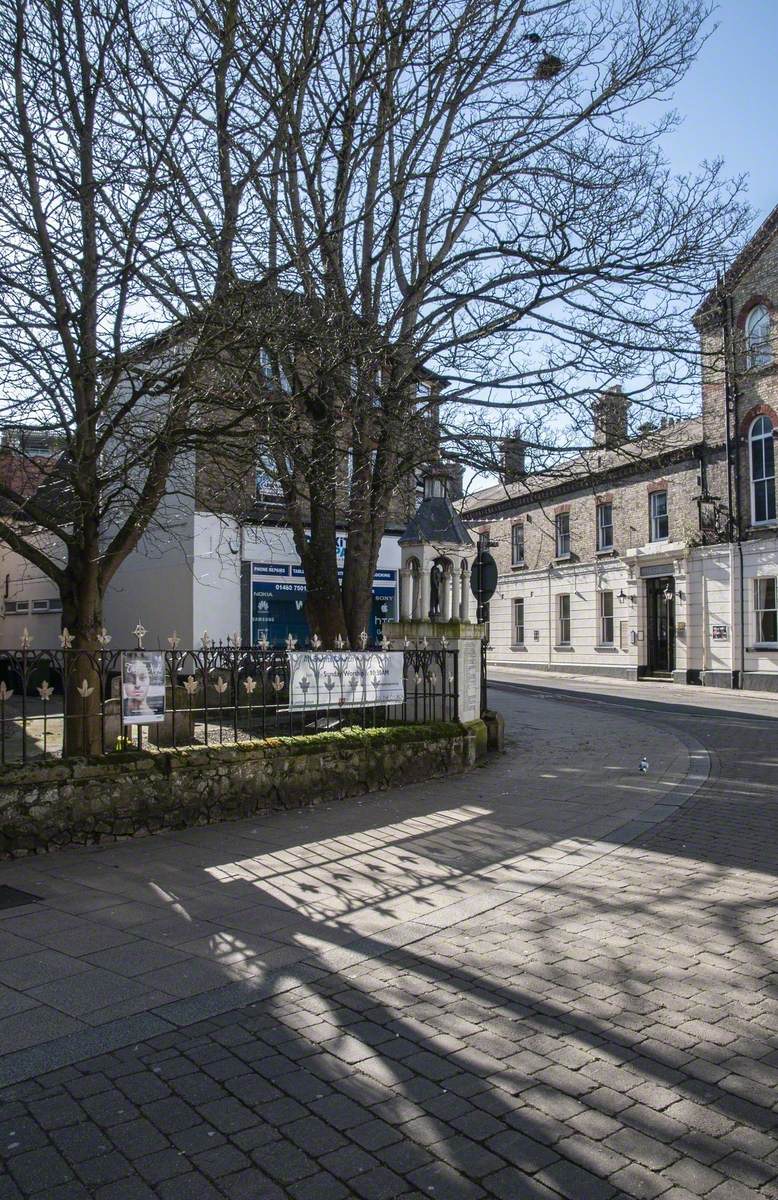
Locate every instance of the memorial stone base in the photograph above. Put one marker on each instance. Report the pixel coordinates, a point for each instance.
(461, 636)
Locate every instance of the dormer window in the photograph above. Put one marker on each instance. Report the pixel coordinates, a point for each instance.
(757, 329)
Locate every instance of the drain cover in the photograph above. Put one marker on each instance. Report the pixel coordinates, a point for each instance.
(13, 898)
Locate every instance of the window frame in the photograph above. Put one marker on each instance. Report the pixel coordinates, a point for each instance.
(762, 608)
(758, 349)
(765, 438)
(654, 517)
(517, 528)
(562, 537)
(563, 620)
(603, 618)
(601, 506)
(516, 627)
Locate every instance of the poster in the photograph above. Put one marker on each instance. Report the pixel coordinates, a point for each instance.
(143, 687)
(345, 678)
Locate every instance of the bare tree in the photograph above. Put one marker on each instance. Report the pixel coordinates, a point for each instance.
(110, 338)
(471, 188)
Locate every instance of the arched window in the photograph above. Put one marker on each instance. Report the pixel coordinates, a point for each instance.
(758, 352)
(762, 471)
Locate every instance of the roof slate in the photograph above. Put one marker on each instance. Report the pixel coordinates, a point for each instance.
(436, 520)
(593, 465)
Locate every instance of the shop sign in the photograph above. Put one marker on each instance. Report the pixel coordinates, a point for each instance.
(348, 678)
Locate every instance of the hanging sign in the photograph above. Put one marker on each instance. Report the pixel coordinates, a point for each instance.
(349, 678)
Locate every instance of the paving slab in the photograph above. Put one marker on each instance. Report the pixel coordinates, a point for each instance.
(550, 977)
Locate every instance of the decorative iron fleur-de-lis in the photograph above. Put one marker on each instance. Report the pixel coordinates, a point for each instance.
(139, 632)
(443, 642)
(174, 641)
(250, 684)
(385, 643)
(66, 639)
(291, 641)
(206, 640)
(339, 642)
(191, 685)
(406, 644)
(235, 639)
(424, 643)
(417, 679)
(363, 638)
(263, 643)
(5, 692)
(220, 686)
(104, 638)
(277, 683)
(26, 640)
(84, 689)
(316, 642)
(45, 691)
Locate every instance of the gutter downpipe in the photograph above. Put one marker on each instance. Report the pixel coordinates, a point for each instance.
(549, 625)
(733, 466)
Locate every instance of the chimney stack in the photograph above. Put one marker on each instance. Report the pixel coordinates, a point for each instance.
(609, 416)
(456, 485)
(513, 458)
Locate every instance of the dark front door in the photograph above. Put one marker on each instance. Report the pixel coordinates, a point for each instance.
(660, 594)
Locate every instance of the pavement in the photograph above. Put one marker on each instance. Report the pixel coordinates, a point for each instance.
(553, 976)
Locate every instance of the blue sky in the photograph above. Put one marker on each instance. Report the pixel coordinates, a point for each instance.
(729, 101)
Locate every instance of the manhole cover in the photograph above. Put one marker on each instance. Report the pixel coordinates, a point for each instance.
(13, 898)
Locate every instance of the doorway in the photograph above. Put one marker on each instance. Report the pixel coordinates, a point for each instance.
(660, 607)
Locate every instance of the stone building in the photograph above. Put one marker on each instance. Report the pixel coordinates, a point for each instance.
(656, 555)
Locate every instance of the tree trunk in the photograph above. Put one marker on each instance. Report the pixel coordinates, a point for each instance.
(358, 574)
(324, 603)
(82, 605)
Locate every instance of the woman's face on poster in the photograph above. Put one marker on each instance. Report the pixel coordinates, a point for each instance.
(136, 681)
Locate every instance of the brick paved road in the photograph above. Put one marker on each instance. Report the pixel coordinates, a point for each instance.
(542, 993)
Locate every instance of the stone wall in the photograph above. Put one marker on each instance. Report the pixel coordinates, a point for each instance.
(80, 801)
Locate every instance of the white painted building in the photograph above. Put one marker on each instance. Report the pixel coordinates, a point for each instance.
(656, 556)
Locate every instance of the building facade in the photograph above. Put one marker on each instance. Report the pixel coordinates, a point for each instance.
(656, 556)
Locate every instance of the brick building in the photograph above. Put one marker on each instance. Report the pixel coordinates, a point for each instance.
(656, 555)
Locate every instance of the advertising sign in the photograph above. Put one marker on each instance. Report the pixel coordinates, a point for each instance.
(143, 687)
(720, 633)
(344, 678)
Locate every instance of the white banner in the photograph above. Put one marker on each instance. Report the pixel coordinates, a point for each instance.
(324, 679)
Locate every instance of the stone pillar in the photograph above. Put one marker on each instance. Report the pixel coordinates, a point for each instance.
(446, 585)
(424, 593)
(464, 596)
(406, 594)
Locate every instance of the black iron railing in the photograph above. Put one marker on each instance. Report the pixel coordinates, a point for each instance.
(54, 703)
